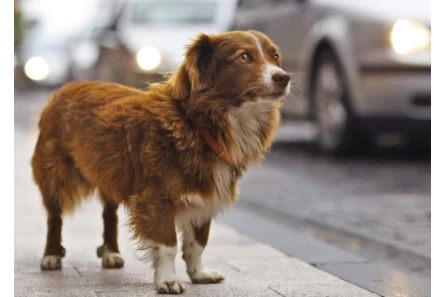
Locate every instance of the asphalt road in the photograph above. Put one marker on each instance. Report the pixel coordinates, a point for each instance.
(376, 204)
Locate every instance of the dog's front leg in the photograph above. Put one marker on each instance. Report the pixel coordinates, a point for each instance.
(194, 241)
(153, 223)
(165, 278)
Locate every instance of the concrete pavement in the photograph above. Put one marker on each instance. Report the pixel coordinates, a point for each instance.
(251, 268)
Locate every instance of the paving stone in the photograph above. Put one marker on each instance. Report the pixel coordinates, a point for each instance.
(381, 280)
(58, 282)
(55, 294)
(327, 290)
(213, 290)
(285, 270)
(296, 244)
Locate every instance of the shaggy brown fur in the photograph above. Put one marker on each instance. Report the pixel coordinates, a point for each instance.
(142, 148)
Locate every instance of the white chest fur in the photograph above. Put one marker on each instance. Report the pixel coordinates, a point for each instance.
(198, 210)
(245, 122)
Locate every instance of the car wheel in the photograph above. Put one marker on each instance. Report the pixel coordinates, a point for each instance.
(338, 131)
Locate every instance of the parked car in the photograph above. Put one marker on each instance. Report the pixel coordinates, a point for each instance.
(42, 60)
(365, 66)
(146, 38)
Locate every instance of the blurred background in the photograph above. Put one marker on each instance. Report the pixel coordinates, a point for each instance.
(351, 163)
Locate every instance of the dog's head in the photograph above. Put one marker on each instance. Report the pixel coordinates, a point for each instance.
(245, 66)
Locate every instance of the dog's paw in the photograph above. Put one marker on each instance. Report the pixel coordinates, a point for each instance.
(51, 262)
(112, 260)
(169, 286)
(109, 259)
(206, 276)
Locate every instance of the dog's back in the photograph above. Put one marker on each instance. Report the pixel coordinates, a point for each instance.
(71, 131)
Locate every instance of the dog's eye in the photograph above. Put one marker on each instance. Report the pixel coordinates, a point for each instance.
(244, 57)
(275, 57)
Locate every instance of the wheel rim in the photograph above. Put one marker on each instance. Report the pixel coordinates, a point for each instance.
(329, 105)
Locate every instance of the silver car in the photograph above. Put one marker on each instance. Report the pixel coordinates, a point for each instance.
(146, 38)
(362, 67)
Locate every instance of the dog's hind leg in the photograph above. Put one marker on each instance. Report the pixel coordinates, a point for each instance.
(48, 173)
(54, 251)
(109, 250)
(61, 186)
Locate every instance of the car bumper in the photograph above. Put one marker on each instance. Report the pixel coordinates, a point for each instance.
(401, 93)
(419, 128)
(54, 78)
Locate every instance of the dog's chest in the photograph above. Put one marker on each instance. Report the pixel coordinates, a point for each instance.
(224, 180)
(245, 123)
(198, 209)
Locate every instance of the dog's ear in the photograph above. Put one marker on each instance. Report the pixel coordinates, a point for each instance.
(198, 70)
(199, 62)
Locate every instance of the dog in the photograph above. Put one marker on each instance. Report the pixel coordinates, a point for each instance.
(171, 154)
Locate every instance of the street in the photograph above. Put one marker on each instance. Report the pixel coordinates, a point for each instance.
(375, 205)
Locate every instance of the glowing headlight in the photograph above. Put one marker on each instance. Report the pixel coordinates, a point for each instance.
(148, 57)
(36, 68)
(407, 37)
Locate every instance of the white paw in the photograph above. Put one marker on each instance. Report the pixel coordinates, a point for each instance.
(51, 262)
(169, 286)
(112, 260)
(206, 276)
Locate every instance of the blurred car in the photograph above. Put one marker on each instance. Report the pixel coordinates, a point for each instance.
(364, 66)
(42, 60)
(146, 38)
(85, 53)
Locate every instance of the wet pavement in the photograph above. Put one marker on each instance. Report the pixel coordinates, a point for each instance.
(375, 206)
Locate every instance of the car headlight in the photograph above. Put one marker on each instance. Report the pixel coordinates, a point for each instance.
(407, 37)
(148, 57)
(36, 68)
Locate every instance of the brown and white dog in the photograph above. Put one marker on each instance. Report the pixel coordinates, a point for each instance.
(172, 155)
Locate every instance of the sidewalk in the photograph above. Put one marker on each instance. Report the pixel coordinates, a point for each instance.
(251, 268)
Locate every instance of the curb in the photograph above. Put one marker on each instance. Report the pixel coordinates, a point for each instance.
(403, 255)
(294, 240)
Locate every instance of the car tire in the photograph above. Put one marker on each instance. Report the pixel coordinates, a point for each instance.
(338, 130)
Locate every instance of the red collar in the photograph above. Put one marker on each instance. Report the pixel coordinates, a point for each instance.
(213, 144)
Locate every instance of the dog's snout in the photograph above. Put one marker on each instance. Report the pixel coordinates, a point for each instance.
(281, 79)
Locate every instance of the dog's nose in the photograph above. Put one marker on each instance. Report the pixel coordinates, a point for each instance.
(281, 79)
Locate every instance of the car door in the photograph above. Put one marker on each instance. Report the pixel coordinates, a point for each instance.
(286, 27)
(252, 15)
(288, 22)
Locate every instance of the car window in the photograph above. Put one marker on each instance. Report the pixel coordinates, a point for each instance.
(253, 3)
(174, 12)
(284, 1)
